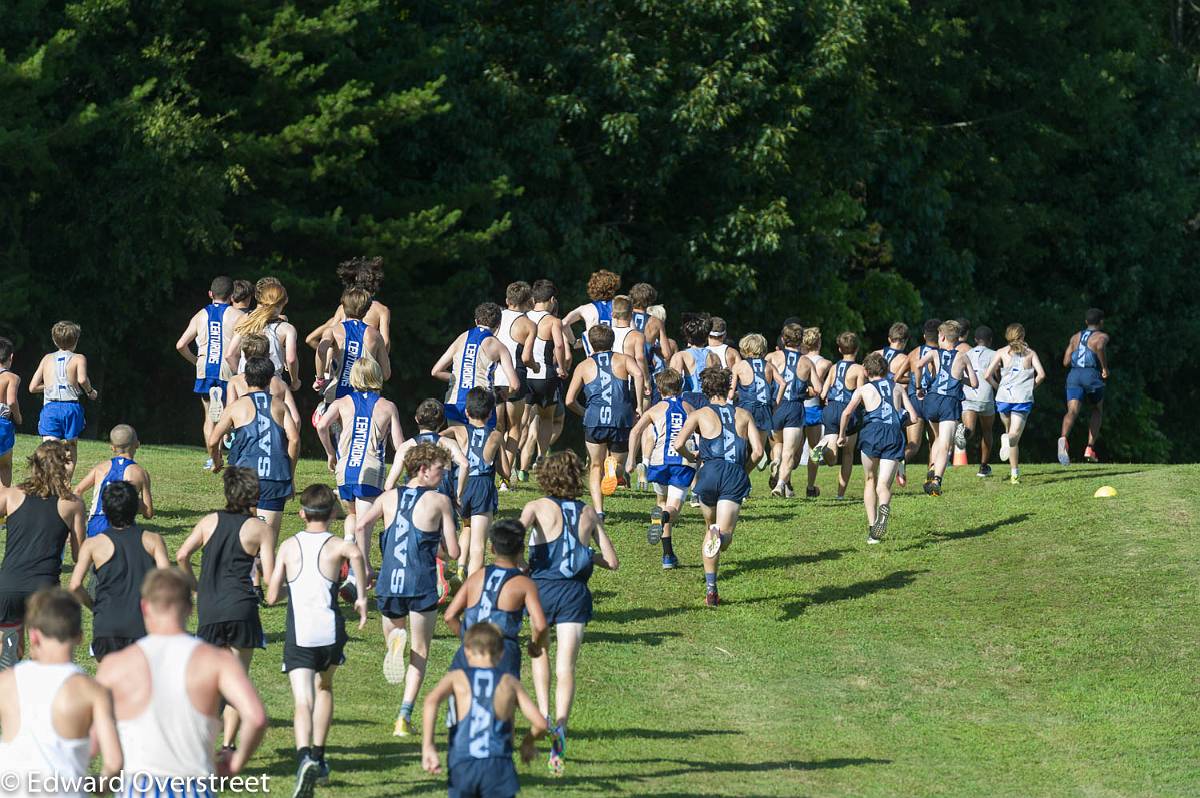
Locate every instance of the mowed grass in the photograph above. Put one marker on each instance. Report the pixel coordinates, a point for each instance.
(1004, 641)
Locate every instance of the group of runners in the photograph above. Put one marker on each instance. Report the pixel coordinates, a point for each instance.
(691, 418)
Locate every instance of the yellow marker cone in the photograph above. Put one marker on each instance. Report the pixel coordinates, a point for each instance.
(1106, 492)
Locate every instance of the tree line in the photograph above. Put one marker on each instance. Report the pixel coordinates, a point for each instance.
(850, 162)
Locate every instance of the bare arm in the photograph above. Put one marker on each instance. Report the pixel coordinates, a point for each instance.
(573, 390)
(192, 544)
(104, 730)
(855, 400)
(78, 529)
(606, 557)
(147, 508)
(82, 562)
(380, 351)
(756, 443)
(449, 528)
(441, 369)
(234, 352)
(454, 612)
(397, 466)
(1067, 354)
(184, 345)
(968, 370)
(292, 430)
(562, 352)
(13, 398)
(429, 754)
(279, 573)
(158, 550)
(313, 339)
(291, 356)
(236, 689)
(635, 440)
(86, 483)
(1039, 373)
(1101, 351)
(373, 514)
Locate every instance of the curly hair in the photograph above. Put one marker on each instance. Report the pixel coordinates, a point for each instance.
(875, 365)
(603, 284)
(792, 335)
(241, 490)
(714, 381)
(424, 455)
(365, 273)
(49, 471)
(561, 475)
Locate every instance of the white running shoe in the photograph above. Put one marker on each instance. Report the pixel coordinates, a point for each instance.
(1064, 459)
(1004, 446)
(393, 660)
(712, 544)
(216, 403)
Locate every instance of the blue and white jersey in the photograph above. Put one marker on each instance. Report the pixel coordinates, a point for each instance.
(699, 356)
(923, 380)
(663, 453)
(361, 458)
(352, 350)
(728, 446)
(607, 397)
(476, 440)
(1083, 357)
(757, 392)
(409, 553)
(890, 354)
(210, 348)
(261, 445)
(564, 557)
(449, 484)
(838, 392)
(488, 607)
(886, 413)
(945, 384)
(97, 520)
(603, 316)
(472, 369)
(480, 735)
(794, 388)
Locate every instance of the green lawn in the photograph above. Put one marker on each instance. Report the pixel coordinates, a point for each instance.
(1003, 641)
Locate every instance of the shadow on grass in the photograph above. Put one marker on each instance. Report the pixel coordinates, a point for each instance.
(1084, 474)
(833, 593)
(973, 532)
(642, 638)
(782, 561)
(646, 734)
(639, 614)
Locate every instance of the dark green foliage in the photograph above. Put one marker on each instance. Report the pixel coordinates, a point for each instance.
(850, 163)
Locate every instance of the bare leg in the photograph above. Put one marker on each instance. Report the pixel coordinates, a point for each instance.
(570, 637)
(596, 454)
(480, 524)
(870, 501)
(516, 427)
(1094, 423)
(792, 438)
(812, 436)
(885, 473)
(986, 425)
(846, 460)
(303, 688)
(233, 721)
(1073, 408)
(420, 633)
(361, 506)
(941, 446)
(322, 716)
(540, 666)
(1016, 425)
(208, 425)
(6, 469)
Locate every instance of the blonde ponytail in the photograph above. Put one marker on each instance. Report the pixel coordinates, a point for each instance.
(271, 297)
(1015, 335)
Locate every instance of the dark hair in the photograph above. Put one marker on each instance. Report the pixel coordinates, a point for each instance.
(364, 273)
(6, 350)
(697, 328)
(259, 371)
(642, 295)
(847, 343)
(488, 314)
(508, 537)
(964, 325)
(517, 293)
(898, 332)
(983, 335)
(241, 490)
(221, 287)
(544, 290)
(431, 414)
(480, 403)
(930, 330)
(242, 291)
(792, 335)
(602, 337)
(714, 381)
(317, 501)
(120, 501)
(1094, 316)
(875, 365)
(55, 613)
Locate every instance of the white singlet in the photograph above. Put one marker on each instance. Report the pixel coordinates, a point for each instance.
(61, 390)
(38, 750)
(980, 357)
(171, 737)
(1016, 380)
(619, 336)
(542, 350)
(275, 353)
(720, 350)
(310, 596)
(504, 334)
(814, 401)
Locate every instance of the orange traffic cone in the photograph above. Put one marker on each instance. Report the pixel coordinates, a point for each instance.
(960, 456)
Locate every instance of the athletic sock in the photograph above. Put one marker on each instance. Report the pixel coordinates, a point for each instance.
(710, 580)
(668, 549)
(666, 516)
(1015, 472)
(318, 752)
(406, 709)
(303, 753)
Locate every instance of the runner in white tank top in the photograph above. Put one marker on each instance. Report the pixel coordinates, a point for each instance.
(508, 318)
(1020, 373)
(728, 355)
(49, 708)
(166, 690)
(513, 331)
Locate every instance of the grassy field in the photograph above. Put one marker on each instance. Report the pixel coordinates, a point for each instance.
(1004, 641)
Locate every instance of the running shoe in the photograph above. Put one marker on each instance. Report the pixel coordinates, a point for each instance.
(558, 747)
(306, 777)
(788, 493)
(403, 728)
(10, 638)
(818, 455)
(670, 562)
(934, 487)
(812, 492)
(871, 539)
(260, 596)
(1064, 458)
(985, 470)
(1089, 455)
(216, 403)
(393, 660)
(1014, 480)
(461, 573)
(208, 464)
(522, 475)
(503, 486)
(712, 543)
(774, 474)
(960, 435)
(228, 440)
(608, 484)
(881, 522)
(323, 773)
(443, 584)
(348, 588)
(654, 532)
(841, 497)
(764, 462)
(711, 599)
(1005, 446)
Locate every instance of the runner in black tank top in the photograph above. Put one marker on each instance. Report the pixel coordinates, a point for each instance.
(117, 608)
(226, 605)
(33, 554)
